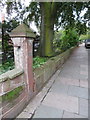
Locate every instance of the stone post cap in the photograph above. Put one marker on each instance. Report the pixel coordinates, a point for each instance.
(22, 31)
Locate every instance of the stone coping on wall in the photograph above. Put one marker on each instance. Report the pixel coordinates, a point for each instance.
(11, 74)
(42, 74)
(39, 70)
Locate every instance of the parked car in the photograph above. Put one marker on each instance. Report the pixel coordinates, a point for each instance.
(87, 43)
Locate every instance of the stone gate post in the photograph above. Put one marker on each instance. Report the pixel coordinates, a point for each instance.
(22, 38)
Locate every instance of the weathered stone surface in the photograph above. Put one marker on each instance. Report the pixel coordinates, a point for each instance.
(6, 86)
(48, 112)
(23, 31)
(25, 115)
(61, 101)
(43, 73)
(22, 75)
(78, 92)
(15, 73)
(80, 116)
(58, 87)
(39, 82)
(83, 107)
(3, 77)
(10, 74)
(84, 83)
(14, 108)
(69, 81)
(68, 115)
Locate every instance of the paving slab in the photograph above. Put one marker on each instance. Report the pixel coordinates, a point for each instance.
(66, 94)
(83, 110)
(68, 115)
(79, 116)
(61, 101)
(84, 83)
(58, 87)
(78, 92)
(68, 81)
(83, 72)
(48, 112)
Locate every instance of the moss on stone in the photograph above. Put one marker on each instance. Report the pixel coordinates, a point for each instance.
(12, 94)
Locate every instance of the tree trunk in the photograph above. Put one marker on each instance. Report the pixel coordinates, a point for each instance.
(47, 29)
(4, 56)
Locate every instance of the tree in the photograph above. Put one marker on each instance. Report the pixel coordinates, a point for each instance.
(47, 28)
(54, 14)
(7, 48)
(81, 28)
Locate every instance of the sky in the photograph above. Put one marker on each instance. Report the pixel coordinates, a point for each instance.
(26, 3)
(3, 10)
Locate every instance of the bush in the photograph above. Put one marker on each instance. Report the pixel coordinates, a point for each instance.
(9, 65)
(83, 37)
(38, 61)
(69, 38)
(57, 41)
(65, 39)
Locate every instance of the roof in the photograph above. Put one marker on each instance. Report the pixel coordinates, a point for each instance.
(22, 31)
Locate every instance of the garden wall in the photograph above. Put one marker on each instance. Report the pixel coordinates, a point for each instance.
(13, 91)
(13, 88)
(43, 73)
(19, 85)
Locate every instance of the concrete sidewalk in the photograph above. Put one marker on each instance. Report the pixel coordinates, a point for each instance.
(66, 94)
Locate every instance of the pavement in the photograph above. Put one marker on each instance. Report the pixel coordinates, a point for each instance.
(66, 93)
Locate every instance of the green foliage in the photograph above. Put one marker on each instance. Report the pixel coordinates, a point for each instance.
(7, 46)
(81, 28)
(9, 65)
(0, 45)
(38, 61)
(65, 39)
(12, 95)
(8, 26)
(69, 38)
(55, 13)
(85, 36)
(57, 41)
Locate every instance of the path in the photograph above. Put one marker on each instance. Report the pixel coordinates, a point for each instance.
(66, 94)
